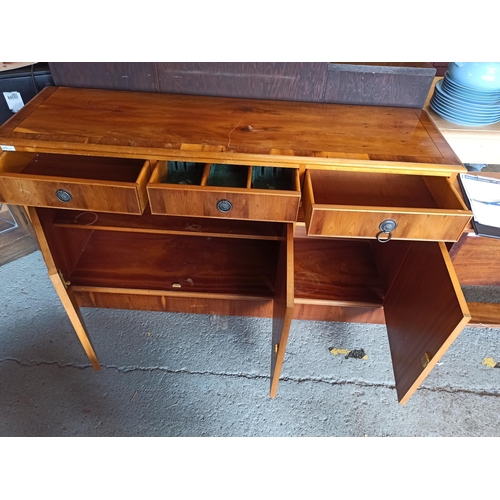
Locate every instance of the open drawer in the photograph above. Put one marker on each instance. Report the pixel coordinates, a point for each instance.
(383, 206)
(224, 191)
(94, 183)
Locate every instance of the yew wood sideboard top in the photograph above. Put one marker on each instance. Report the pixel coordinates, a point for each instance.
(281, 133)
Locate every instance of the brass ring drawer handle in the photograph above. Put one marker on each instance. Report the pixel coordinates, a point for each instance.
(63, 195)
(386, 227)
(224, 206)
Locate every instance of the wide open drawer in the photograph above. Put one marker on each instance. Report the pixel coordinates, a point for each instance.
(74, 182)
(357, 204)
(224, 191)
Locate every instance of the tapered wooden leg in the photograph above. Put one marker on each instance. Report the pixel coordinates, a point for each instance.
(64, 291)
(73, 311)
(283, 307)
(280, 339)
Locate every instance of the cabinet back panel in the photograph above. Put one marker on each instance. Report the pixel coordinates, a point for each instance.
(336, 270)
(147, 223)
(178, 263)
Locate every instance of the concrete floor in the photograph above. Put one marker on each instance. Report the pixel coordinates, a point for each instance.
(197, 375)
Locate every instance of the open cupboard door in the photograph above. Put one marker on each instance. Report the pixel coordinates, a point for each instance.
(424, 308)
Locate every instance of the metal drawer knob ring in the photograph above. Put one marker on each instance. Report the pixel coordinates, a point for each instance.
(224, 206)
(63, 195)
(384, 240)
(386, 227)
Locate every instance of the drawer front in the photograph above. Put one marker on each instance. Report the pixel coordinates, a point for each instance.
(366, 223)
(72, 182)
(232, 204)
(81, 195)
(423, 209)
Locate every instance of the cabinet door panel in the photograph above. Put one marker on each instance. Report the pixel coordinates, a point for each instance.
(425, 310)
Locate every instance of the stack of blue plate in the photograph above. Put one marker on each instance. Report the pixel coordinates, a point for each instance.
(471, 104)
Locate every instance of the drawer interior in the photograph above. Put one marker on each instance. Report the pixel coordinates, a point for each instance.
(383, 190)
(183, 172)
(226, 175)
(84, 167)
(273, 178)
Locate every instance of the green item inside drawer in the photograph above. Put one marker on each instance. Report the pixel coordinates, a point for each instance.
(228, 176)
(184, 172)
(272, 178)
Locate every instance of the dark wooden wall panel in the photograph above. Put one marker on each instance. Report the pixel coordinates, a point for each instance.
(139, 76)
(382, 84)
(292, 81)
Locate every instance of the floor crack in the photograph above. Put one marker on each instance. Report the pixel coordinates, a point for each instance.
(48, 363)
(253, 376)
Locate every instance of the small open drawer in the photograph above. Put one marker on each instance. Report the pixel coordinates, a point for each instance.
(74, 182)
(383, 206)
(224, 191)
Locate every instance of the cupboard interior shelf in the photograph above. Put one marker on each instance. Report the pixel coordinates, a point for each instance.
(330, 272)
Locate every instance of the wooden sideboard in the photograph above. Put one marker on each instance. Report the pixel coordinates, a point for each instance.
(243, 207)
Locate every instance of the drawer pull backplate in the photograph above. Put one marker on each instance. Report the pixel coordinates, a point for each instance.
(386, 227)
(224, 206)
(63, 195)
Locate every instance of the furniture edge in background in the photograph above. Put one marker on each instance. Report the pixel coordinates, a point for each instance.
(381, 84)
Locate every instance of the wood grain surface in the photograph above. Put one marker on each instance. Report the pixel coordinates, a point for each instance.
(291, 81)
(425, 310)
(477, 261)
(214, 128)
(195, 304)
(484, 314)
(354, 204)
(383, 84)
(137, 76)
(336, 272)
(94, 183)
(183, 264)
